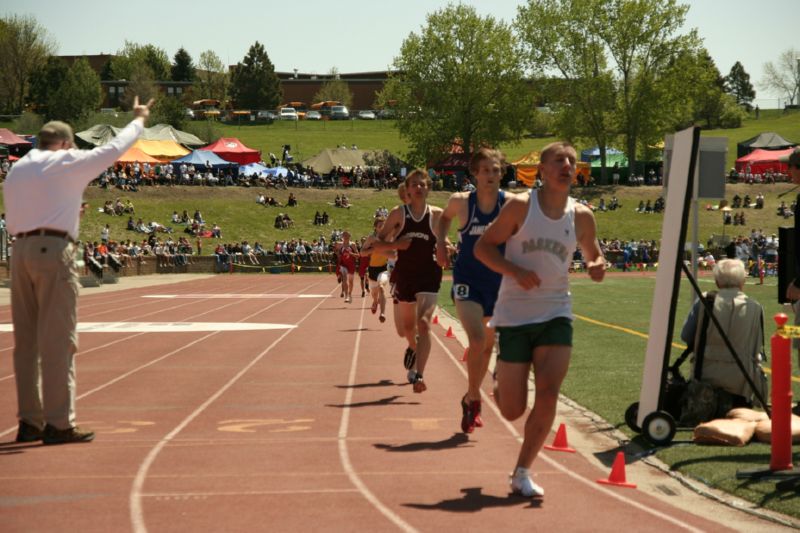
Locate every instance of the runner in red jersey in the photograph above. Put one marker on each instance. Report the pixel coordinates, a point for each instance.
(347, 254)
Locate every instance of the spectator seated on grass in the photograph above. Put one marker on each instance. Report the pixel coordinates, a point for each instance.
(108, 208)
(198, 217)
(261, 200)
(272, 202)
(760, 201)
(317, 219)
(155, 227)
(216, 231)
(292, 201)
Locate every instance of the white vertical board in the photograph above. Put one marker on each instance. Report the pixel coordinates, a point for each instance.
(673, 235)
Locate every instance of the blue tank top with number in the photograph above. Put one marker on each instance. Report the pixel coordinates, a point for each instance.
(467, 269)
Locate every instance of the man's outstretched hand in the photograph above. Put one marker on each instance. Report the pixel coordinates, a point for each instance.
(142, 111)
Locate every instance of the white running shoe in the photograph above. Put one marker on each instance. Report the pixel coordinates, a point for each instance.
(522, 484)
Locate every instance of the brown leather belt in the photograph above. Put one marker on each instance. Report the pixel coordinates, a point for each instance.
(45, 232)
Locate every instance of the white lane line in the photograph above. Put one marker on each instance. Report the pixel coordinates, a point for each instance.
(167, 327)
(344, 455)
(591, 484)
(236, 296)
(185, 495)
(135, 499)
(122, 339)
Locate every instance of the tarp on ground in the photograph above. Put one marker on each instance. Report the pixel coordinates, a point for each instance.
(100, 134)
(330, 158)
(9, 138)
(767, 141)
(759, 161)
(161, 150)
(254, 168)
(590, 154)
(232, 149)
(201, 157)
(135, 154)
(528, 166)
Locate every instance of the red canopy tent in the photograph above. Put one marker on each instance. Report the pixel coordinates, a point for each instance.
(17, 146)
(9, 138)
(760, 161)
(231, 149)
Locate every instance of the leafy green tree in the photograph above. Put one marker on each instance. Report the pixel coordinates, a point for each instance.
(737, 84)
(24, 48)
(170, 111)
(212, 77)
(254, 83)
(695, 90)
(583, 99)
(334, 89)
(45, 81)
(79, 94)
(638, 40)
(133, 55)
(459, 81)
(141, 83)
(182, 66)
(783, 76)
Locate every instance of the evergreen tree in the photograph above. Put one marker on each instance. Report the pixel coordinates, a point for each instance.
(45, 81)
(182, 66)
(79, 94)
(255, 84)
(738, 85)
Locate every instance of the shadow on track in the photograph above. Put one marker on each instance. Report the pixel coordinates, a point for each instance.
(474, 501)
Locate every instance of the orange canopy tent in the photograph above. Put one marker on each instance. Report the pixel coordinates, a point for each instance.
(134, 154)
(528, 166)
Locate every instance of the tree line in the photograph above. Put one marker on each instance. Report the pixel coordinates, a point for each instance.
(601, 72)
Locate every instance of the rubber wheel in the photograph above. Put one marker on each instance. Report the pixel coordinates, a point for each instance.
(631, 416)
(659, 428)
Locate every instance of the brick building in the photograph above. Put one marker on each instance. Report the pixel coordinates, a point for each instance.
(296, 86)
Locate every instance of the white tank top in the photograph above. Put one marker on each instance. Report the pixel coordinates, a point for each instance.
(545, 246)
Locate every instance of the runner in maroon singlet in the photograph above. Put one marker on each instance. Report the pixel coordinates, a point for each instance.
(417, 276)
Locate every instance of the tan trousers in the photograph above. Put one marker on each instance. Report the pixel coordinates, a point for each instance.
(44, 297)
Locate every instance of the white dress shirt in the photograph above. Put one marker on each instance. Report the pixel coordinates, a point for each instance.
(45, 188)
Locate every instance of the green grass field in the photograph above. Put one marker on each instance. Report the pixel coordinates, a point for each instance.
(606, 374)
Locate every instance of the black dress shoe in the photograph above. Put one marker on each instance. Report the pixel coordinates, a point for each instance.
(28, 432)
(65, 436)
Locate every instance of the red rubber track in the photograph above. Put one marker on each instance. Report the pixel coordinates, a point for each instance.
(284, 430)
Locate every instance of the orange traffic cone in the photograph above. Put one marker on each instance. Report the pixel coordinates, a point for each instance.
(449, 333)
(464, 357)
(617, 476)
(435, 319)
(560, 442)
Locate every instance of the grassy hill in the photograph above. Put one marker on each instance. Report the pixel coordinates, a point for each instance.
(235, 210)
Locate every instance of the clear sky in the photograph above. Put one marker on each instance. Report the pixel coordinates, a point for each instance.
(362, 35)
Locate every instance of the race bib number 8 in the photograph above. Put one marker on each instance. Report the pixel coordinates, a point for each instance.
(461, 291)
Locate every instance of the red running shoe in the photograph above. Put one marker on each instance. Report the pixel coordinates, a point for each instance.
(471, 415)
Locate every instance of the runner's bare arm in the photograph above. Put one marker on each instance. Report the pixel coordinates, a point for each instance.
(507, 223)
(456, 207)
(586, 233)
(385, 241)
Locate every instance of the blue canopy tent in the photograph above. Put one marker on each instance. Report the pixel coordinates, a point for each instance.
(590, 154)
(199, 158)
